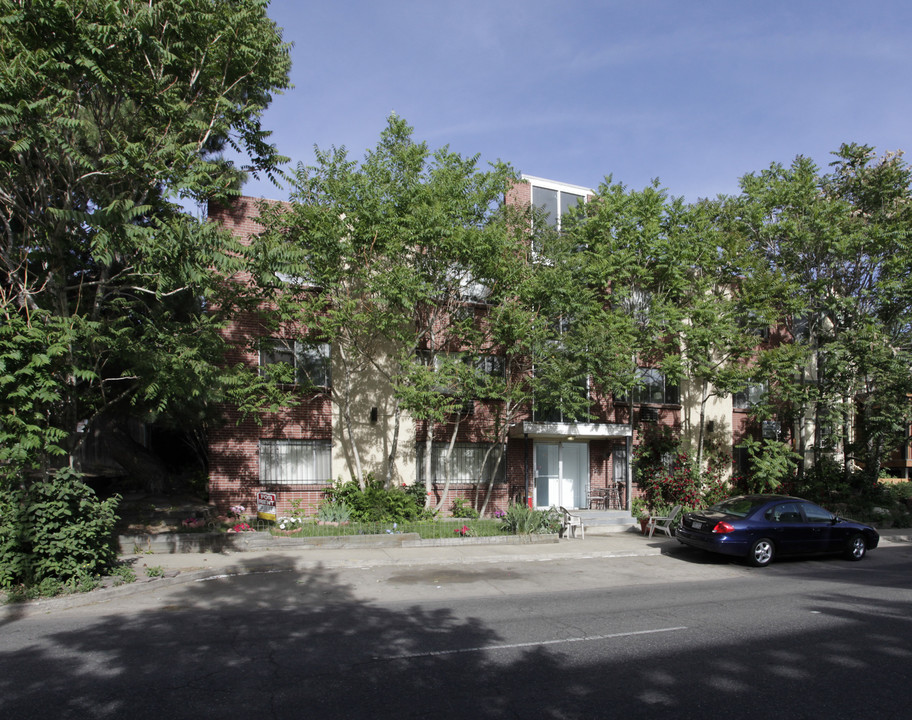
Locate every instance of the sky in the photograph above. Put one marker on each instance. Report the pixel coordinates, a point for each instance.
(694, 93)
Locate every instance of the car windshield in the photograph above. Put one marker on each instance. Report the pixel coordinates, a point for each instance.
(739, 506)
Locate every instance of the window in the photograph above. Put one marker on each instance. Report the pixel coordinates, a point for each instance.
(816, 514)
(653, 387)
(752, 395)
(556, 199)
(785, 513)
(308, 361)
(467, 463)
(295, 462)
(555, 203)
(490, 365)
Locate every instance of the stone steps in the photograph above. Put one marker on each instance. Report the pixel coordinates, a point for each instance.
(606, 522)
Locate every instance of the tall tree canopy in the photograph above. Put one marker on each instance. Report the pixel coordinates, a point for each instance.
(839, 246)
(111, 113)
(382, 259)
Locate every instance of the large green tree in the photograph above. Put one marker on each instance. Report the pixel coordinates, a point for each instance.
(113, 113)
(840, 244)
(386, 259)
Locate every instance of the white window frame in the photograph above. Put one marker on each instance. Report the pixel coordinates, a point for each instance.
(561, 188)
(466, 463)
(654, 373)
(306, 357)
(295, 462)
(752, 395)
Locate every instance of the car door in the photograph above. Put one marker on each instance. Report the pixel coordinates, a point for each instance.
(788, 529)
(823, 535)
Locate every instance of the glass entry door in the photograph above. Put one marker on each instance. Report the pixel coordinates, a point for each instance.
(561, 474)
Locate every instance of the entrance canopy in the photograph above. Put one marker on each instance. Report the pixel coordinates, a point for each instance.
(569, 431)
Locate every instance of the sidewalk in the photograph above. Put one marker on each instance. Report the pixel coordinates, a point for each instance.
(185, 567)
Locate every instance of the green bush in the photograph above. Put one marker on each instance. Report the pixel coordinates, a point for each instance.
(334, 511)
(461, 510)
(376, 503)
(520, 519)
(56, 528)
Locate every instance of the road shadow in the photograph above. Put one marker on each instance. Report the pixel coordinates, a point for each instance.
(278, 642)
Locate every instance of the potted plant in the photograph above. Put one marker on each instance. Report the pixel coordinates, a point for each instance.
(640, 512)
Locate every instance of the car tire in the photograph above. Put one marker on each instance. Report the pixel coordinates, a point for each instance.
(857, 547)
(761, 553)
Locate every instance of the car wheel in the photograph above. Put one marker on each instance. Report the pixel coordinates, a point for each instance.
(857, 548)
(761, 553)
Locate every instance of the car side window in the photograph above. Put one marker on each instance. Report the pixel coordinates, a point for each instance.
(784, 513)
(816, 514)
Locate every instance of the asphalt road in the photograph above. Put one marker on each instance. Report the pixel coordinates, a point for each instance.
(679, 635)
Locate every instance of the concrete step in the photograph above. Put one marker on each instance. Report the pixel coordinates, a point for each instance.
(606, 522)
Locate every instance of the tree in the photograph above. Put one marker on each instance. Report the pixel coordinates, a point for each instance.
(111, 113)
(839, 243)
(386, 260)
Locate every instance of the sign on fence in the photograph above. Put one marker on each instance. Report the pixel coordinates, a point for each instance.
(266, 506)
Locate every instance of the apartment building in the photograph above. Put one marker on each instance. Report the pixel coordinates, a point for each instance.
(549, 460)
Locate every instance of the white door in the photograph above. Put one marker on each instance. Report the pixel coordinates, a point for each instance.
(561, 474)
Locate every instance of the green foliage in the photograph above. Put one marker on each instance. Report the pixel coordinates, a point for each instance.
(110, 113)
(520, 519)
(155, 571)
(376, 503)
(124, 573)
(405, 229)
(668, 475)
(56, 528)
(772, 464)
(334, 512)
(461, 509)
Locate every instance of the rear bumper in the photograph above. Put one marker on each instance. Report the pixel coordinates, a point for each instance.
(722, 544)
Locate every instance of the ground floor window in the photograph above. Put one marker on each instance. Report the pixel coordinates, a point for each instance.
(467, 463)
(295, 461)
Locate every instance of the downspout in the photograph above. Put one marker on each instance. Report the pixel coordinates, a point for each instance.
(526, 467)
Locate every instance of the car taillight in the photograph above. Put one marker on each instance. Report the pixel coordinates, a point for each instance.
(723, 527)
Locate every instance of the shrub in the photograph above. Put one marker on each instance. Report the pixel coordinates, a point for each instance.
(520, 519)
(669, 476)
(377, 503)
(772, 463)
(462, 510)
(333, 511)
(56, 527)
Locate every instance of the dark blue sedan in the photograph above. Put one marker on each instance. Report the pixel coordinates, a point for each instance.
(761, 527)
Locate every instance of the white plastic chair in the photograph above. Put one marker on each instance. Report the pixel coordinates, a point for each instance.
(571, 523)
(665, 524)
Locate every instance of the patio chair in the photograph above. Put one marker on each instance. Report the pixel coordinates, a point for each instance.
(665, 524)
(570, 523)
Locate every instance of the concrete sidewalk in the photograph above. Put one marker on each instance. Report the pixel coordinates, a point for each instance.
(467, 551)
(184, 567)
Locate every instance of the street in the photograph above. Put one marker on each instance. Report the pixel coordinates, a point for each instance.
(680, 635)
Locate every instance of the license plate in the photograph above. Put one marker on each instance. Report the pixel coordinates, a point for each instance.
(697, 525)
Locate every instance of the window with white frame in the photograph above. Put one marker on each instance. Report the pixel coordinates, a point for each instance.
(653, 387)
(555, 199)
(291, 462)
(309, 361)
(750, 396)
(467, 463)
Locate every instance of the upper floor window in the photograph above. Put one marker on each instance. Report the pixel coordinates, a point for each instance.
(556, 199)
(653, 387)
(308, 361)
(750, 396)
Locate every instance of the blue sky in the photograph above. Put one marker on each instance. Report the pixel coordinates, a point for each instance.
(694, 93)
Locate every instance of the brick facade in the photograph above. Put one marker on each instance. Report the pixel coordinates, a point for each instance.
(235, 446)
